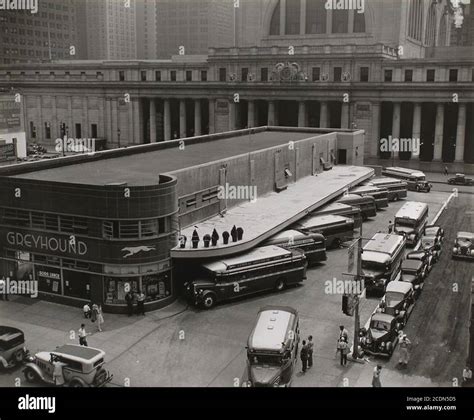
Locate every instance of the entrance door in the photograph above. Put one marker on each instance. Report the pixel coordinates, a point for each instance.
(342, 156)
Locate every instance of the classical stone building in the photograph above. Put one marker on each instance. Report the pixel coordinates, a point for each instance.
(389, 70)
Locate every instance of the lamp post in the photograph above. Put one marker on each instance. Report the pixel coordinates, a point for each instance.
(118, 137)
(64, 145)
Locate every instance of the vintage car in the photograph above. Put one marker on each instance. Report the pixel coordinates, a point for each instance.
(382, 336)
(81, 366)
(436, 231)
(464, 245)
(432, 245)
(12, 347)
(425, 257)
(414, 272)
(460, 179)
(398, 301)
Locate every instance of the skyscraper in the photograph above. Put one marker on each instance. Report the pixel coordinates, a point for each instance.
(110, 29)
(163, 26)
(49, 34)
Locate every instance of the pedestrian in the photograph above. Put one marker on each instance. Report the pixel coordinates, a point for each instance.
(94, 309)
(129, 300)
(404, 343)
(343, 346)
(100, 318)
(304, 356)
(376, 377)
(466, 375)
(3, 290)
(446, 170)
(87, 310)
(343, 333)
(83, 335)
(390, 226)
(141, 303)
(310, 351)
(58, 376)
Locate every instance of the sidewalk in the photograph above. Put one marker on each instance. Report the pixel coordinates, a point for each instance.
(47, 325)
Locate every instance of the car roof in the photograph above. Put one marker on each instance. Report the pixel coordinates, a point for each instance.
(79, 353)
(415, 255)
(413, 264)
(398, 286)
(9, 333)
(380, 316)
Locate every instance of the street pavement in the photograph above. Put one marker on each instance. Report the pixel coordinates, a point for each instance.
(184, 346)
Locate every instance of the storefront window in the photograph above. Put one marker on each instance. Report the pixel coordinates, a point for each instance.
(115, 289)
(49, 279)
(156, 286)
(77, 284)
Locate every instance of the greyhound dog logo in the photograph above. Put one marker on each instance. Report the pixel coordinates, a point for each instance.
(133, 250)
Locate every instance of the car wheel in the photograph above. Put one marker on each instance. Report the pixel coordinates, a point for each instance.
(209, 300)
(280, 285)
(336, 243)
(395, 197)
(75, 383)
(389, 348)
(31, 376)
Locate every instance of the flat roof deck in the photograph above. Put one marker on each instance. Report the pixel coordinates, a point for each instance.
(272, 212)
(143, 168)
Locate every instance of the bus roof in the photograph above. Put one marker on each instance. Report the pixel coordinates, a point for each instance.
(385, 181)
(384, 242)
(351, 197)
(256, 254)
(367, 189)
(412, 210)
(322, 221)
(335, 207)
(286, 235)
(404, 171)
(271, 329)
(374, 256)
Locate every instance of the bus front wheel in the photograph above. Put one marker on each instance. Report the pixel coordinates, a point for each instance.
(280, 285)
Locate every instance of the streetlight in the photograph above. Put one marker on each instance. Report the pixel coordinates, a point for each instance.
(67, 136)
(118, 137)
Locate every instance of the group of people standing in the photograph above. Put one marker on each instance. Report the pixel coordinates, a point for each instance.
(93, 312)
(135, 302)
(306, 354)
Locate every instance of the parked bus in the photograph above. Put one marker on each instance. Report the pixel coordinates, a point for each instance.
(341, 209)
(380, 194)
(416, 180)
(366, 204)
(272, 347)
(336, 229)
(396, 188)
(263, 268)
(411, 220)
(313, 245)
(382, 258)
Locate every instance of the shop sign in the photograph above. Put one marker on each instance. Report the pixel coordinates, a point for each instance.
(47, 243)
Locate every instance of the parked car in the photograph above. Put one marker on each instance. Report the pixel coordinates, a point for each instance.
(414, 272)
(432, 245)
(460, 179)
(12, 347)
(81, 366)
(464, 245)
(425, 257)
(398, 301)
(382, 336)
(436, 231)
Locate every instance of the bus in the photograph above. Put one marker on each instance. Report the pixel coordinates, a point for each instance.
(411, 220)
(382, 258)
(313, 245)
(366, 204)
(336, 229)
(416, 180)
(380, 194)
(341, 209)
(272, 347)
(396, 188)
(261, 269)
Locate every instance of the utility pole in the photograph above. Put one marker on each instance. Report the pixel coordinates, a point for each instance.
(355, 350)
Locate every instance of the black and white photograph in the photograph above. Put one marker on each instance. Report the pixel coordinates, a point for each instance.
(199, 198)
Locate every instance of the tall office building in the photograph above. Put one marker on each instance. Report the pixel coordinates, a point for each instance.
(47, 34)
(163, 26)
(110, 29)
